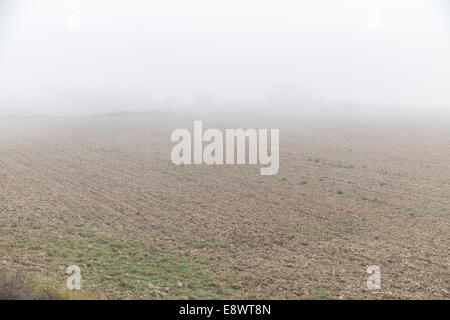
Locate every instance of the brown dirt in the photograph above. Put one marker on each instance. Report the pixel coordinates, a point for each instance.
(67, 185)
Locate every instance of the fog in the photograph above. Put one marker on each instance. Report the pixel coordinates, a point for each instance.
(95, 56)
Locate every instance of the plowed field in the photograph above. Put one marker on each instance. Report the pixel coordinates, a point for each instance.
(102, 193)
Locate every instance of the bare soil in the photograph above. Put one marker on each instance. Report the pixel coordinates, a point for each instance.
(102, 193)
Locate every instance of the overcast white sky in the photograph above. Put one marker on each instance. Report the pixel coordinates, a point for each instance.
(377, 52)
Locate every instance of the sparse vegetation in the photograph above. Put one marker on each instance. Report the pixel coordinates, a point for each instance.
(319, 294)
(338, 165)
(18, 287)
(140, 227)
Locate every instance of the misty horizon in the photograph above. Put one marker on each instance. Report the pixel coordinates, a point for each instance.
(246, 152)
(140, 56)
